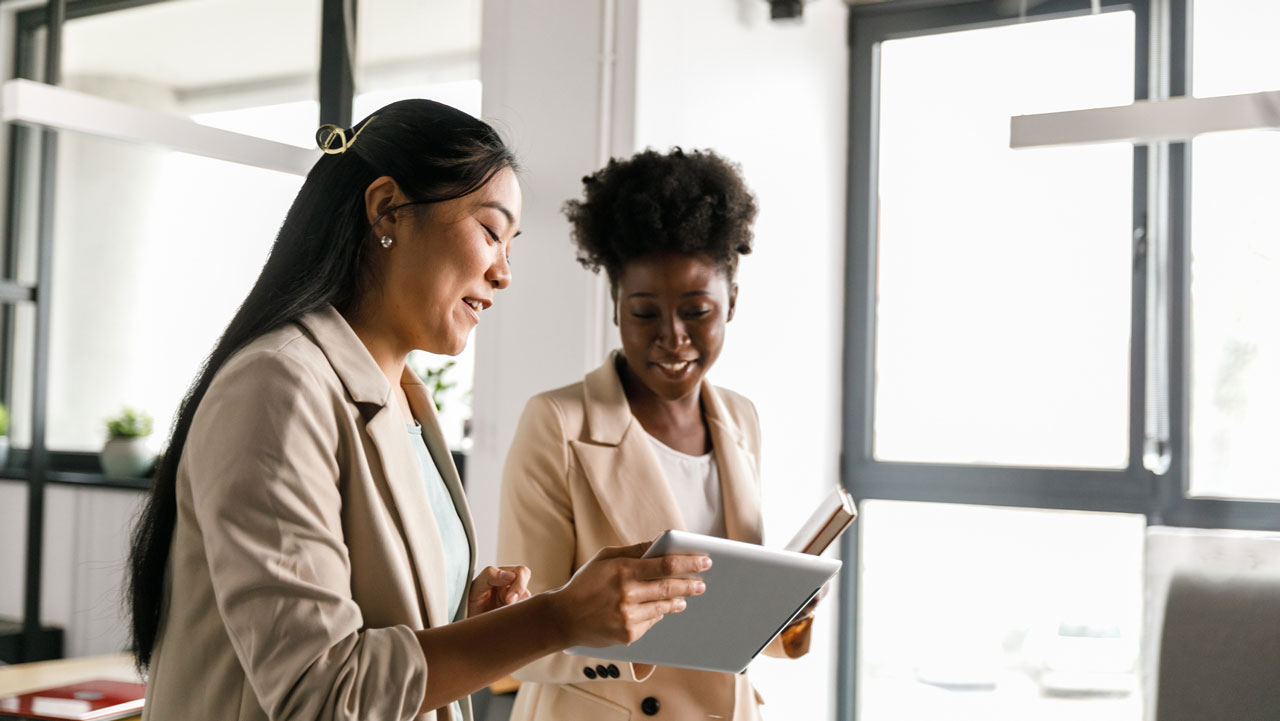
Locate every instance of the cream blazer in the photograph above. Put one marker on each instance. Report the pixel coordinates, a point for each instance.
(306, 553)
(581, 474)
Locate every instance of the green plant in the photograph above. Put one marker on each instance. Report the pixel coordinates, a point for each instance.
(4, 420)
(436, 384)
(131, 423)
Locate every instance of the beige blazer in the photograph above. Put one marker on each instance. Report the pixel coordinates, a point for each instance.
(581, 474)
(306, 553)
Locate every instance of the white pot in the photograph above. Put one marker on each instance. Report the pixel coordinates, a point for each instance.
(126, 457)
(4, 451)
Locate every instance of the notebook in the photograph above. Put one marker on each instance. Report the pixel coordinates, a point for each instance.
(96, 700)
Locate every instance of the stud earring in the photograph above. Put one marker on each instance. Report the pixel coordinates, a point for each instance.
(387, 241)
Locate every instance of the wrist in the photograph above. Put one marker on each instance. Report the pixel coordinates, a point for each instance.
(550, 609)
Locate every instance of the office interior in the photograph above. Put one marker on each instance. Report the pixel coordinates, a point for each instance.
(1047, 373)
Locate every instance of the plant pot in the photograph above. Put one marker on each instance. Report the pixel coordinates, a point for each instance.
(4, 451)
(126, 457)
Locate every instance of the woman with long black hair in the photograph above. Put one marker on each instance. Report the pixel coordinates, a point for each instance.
(306, 551)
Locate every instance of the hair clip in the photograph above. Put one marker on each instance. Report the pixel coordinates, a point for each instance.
(333, 140)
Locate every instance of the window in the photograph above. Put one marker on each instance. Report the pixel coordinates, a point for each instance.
(1235, 261)
(1056, 357)
(1002, 324)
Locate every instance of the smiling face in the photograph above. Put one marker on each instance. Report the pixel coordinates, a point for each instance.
(446, 263)
(671, 311)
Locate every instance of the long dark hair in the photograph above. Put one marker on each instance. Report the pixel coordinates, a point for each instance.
(434, 153)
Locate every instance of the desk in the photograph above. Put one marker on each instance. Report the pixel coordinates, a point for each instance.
(31, 676)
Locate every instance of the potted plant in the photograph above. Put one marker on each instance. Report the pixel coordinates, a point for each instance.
(4, 436)
(126, 453)
(436, 384)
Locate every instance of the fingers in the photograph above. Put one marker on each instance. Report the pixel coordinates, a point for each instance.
(518, 589)
(490, 577)
(650, 569)
(666, 589)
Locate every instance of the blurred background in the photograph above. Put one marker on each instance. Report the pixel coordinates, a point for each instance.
(1047, 373)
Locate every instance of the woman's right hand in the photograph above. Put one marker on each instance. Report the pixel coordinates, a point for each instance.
(618, 596)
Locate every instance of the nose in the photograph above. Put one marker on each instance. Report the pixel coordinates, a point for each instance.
(672, 334)
(499, 273)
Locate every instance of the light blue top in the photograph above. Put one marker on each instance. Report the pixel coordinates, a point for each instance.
(457, 551)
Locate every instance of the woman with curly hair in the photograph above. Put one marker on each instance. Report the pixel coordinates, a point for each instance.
(644, 443)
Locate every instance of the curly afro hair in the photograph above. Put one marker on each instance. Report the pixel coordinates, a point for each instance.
(694, 203)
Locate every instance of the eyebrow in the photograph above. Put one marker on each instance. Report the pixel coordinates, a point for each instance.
(690, 294)
(511, 218)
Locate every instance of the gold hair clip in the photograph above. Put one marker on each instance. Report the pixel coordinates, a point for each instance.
(329, 133)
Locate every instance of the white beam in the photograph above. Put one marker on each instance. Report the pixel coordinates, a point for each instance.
(48, 106)
(1148, 121)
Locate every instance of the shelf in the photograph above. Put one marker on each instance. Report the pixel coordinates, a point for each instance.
(97, 480)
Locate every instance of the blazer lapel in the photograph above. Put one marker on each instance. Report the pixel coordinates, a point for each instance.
(619, 462)
(389, 441)
(739, 489)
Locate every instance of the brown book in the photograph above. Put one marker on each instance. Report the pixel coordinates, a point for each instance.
(832, 517)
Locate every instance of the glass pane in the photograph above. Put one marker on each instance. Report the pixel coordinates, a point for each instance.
(404, 46)
(1235, 266)
(1235, 339)
(984, 614)
(1003, 294)
(1234, 48)
(147, 273)
(197, 57)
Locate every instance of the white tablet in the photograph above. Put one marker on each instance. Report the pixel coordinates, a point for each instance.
(752, 594)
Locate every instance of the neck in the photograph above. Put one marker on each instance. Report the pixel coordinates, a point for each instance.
(381, 342)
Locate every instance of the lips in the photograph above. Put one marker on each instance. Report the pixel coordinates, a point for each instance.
(675, 368)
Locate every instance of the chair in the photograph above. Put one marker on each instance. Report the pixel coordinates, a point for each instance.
(1220, 649)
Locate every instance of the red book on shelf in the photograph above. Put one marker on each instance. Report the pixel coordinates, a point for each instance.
(96, 700)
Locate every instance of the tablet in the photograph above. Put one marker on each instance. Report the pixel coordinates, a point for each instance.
(752, 594)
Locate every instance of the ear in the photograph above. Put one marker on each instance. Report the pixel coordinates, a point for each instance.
(733, 300)
(613, 293)
(381, 195)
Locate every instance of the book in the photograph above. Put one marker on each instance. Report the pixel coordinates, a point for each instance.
(96, 700)
(831, 518)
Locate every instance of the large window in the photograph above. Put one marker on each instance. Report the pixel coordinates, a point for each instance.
(1050, 351)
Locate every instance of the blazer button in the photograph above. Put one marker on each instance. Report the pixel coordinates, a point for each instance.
(613, 671)
(650, 706)
(589, 672)
(602, 672)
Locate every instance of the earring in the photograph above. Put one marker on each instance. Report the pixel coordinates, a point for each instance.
(387, 241)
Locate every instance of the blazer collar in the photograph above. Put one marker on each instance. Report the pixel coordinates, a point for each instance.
(385, 426)
(350, 359)
(620, 463)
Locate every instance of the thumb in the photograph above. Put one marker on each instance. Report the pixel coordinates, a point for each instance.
(635, 550)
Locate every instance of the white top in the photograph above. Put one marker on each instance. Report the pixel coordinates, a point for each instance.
(695, 482)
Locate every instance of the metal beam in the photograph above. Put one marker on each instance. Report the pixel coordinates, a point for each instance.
(40, 381)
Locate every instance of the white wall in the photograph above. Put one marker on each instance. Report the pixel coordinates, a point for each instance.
(712, 73)
(772, 96)
(541, 74)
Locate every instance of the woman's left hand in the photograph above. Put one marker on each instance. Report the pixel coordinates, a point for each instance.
(497, 586)
(812, 605)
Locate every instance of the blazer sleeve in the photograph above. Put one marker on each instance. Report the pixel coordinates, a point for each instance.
(536, 529)
(262, 462)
